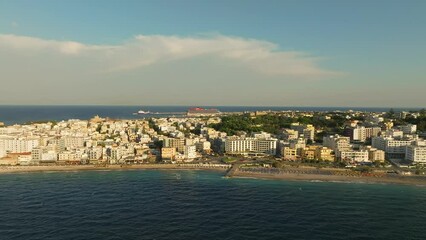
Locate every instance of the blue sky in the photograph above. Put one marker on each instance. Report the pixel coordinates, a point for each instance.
(349, 53)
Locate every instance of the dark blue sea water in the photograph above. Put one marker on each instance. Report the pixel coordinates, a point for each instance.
(22, 114)
(152, 204)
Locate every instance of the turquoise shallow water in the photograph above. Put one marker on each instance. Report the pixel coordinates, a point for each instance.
(152, 204)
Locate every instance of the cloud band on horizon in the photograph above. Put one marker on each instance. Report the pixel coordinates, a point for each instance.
(262, 57)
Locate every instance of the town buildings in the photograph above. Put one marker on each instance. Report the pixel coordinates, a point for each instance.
(105, 141)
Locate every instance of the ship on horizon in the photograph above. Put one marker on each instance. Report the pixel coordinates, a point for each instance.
(141, 112)
(198, 111)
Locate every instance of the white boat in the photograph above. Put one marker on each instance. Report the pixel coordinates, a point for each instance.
(141, 112)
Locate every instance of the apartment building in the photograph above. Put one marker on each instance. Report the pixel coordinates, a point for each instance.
(18, 144)
(354, 156)
(337, 143)
(190, 152)
(324, 154)
(361, 133)
(408, 129)
(178, 143)
(289, 153)
(306, 131)
(416, 153)
(168, 153)
(394, 148)
(237, 145)
(289, 134)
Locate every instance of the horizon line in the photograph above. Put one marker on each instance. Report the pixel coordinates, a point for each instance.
(194, 105)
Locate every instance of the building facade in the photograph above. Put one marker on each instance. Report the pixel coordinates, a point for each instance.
(236, 145)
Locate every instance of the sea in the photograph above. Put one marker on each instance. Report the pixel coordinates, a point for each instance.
(23, 114)
(191, 204)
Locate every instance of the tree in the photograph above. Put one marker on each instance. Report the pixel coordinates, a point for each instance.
(158, 144)
(391, 113)
(99, 128)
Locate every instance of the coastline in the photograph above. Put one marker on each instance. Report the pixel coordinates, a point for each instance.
(401, 180)
(70, 168)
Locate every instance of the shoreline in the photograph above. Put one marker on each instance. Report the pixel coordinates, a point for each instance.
(70, 168)
(400, 180)
(309, 177)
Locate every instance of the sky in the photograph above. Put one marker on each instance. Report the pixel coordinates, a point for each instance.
(359, 53)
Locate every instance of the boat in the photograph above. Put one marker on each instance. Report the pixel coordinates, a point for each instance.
(198, 112)
(141, 112)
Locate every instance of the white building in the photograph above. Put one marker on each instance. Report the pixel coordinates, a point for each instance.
(409, 129)
(298, 144)
(355, 156)
(289, 134)
(416, 153)
(203, 146)
(18, 145)
(68, 156)
(116, 153)
(145, 138)
(36, 154)
(8, 131)
(361, 133)
(337, 143)
(306, 131)
(43, 154)
(49, 156)
(24, 159)
(95, 153)
(178, 143)
(394, 133)
(236, 145)
(70, 142)
(190, 152)
(358, 134)
(374, 119)
(394, 149)
(374, 154)
(263, 135)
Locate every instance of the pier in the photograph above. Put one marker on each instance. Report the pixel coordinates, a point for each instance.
(232, 170)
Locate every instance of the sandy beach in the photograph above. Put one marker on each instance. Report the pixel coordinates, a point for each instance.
(406, 180)
(53, 168)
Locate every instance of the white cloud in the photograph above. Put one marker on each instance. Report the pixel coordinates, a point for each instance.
(262, 57)
(36, 44)
(156, 69)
